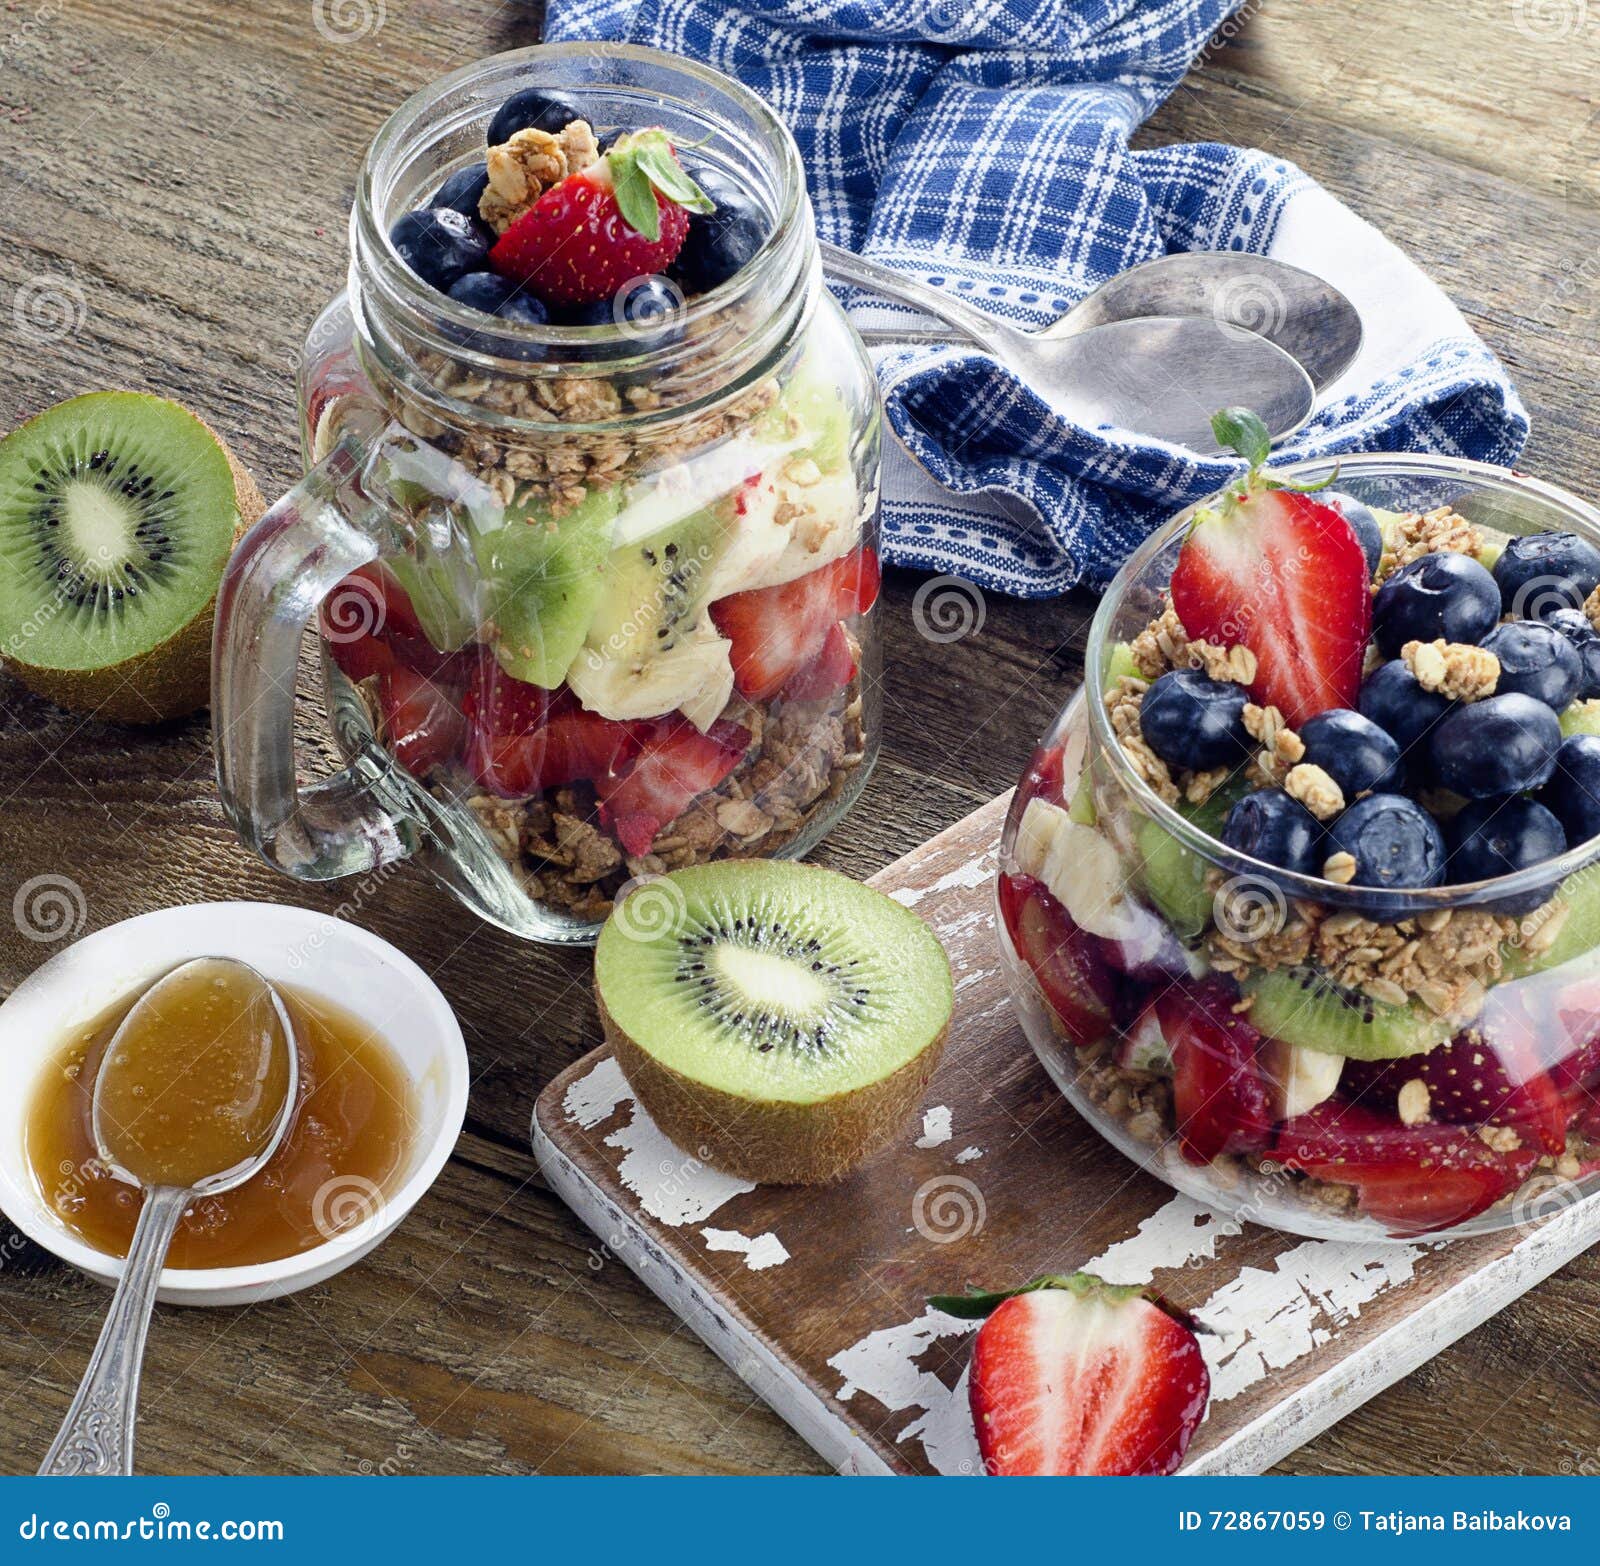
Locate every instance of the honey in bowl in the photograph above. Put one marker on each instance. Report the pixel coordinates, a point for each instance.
(353, 1127)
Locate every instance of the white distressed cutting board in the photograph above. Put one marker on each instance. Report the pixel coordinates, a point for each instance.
(816, 1297)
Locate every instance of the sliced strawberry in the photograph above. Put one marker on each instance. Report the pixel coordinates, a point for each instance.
(827, 674)
(676, 763)
(1220, 1094)
(1413, 1179)
(524, 738)
(593, 233)
(777, 631)
(362, 619)
(1275, 570)
(422, 721)
(1072, 1375)
(1065, 960)
(1044, 778)
(1483, 1077)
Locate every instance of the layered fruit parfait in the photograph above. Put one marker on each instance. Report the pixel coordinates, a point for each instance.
(627, 624)
(1303, 913)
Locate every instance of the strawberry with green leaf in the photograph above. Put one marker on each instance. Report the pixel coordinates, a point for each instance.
(1073, 1375)
(1273, 569)
(594, 232)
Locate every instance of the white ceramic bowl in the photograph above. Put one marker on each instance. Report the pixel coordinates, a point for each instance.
(312, 952)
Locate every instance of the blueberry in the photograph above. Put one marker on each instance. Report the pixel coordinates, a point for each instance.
(644, 304)
(1362, 523)
(1495, 837)
(1546, 571)
(719, 243)
(1574, 625)
(1400, 707)
(510, 301)
(1354, 751)
(1535, 660)
(610, 139)
(463, 190)
(439, 244)
(1573, 792)
(1500, 746)
(1393, 840)
(1443, 594)
(1191, 721)
(532, 110)
(1271, 826)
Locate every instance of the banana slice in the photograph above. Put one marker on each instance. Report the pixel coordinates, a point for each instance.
(825, 511)
(1299, 1079)
(1080, 867)
(756, 541)
(695, 678)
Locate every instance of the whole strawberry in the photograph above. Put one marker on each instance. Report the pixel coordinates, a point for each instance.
(595, 231)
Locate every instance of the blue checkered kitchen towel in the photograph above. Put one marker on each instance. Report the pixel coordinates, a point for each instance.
(982, 146)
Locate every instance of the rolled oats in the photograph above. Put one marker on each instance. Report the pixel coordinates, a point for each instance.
(1235, 665)
(1426, 533)
(1453, 669)
(1123, 702)
(1315, 790)
(1161, 645)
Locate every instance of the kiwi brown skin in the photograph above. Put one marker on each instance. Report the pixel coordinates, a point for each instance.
(169, 681)
(775, 1143)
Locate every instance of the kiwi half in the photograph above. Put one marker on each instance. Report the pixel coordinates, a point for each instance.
(778, 1020)
(118, 512)
(1305, 1007)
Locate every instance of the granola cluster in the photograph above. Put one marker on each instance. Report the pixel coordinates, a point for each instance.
(523, 168)
(1427, 533)
(1457, 670)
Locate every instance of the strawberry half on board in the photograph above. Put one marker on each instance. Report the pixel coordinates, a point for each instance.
(1072, 1375)
(591, 234)
(1273, 569)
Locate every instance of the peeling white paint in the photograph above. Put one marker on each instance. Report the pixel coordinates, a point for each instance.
(1266, 1320)
(760, 1251)
(673, 1186)
(593, 1098)
(1181, 1232)
(968, 1155)
(935, 1127)
(974, 872)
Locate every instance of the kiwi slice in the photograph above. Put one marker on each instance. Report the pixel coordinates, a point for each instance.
(547, 578)
(118, 512)
(779, 1019)
(1302, 1006)
(1579, 934)
(1581, 717)
(1174, 876)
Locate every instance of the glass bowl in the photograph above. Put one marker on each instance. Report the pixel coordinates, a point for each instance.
(1130, 933)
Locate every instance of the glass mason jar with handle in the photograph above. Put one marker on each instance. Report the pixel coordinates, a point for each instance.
(595, 601)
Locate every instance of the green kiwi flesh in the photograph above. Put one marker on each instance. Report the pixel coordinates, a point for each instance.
(118, 511)
(780, 1019)
(1174, 876)
(1579, 933)
(1304, 1007)
(1581, 717)
(546, 578)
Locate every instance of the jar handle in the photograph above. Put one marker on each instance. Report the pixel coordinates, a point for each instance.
(282, 570)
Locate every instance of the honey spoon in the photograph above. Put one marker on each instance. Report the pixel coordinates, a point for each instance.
(96, 1437)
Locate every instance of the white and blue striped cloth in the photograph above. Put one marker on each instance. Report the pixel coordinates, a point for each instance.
(982, 146)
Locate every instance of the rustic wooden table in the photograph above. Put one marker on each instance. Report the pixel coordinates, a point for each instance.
(179, 175)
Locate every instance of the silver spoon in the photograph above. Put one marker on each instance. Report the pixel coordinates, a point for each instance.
(1303, 314)
(1162, 376)
(96, 1437)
